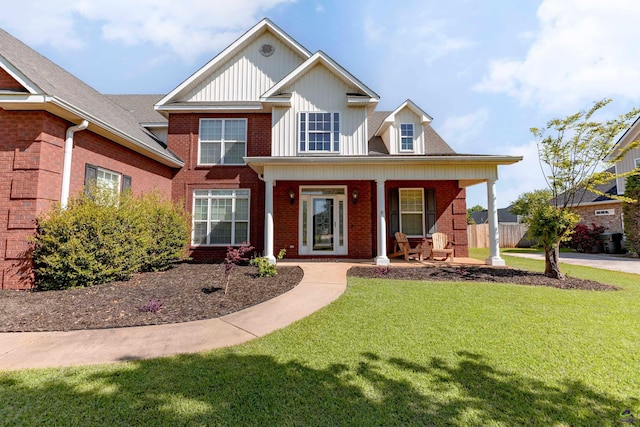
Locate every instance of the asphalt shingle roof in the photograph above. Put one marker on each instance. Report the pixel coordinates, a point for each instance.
(54, 81)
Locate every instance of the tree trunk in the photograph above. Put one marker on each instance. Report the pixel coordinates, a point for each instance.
(552, 258)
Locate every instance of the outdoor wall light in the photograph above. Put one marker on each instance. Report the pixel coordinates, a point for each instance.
(292, 196)
(354, 196)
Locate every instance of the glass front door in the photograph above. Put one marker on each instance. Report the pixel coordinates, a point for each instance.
(322, 221)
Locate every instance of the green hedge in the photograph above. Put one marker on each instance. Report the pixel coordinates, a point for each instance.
(99, 239)
(631, 213)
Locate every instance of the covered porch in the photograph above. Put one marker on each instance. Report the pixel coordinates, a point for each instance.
(340, 202)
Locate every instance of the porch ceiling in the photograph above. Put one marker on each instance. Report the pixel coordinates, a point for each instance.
(468, 169)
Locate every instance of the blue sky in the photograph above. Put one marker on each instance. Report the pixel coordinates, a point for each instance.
(486, 71)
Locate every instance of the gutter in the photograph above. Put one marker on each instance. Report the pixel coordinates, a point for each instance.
(68, 157)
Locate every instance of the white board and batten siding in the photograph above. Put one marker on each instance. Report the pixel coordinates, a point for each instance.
(319, 90)
(405, 116)
(248, 74)
(627, 164)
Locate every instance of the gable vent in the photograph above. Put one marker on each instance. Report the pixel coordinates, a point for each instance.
(267, 50)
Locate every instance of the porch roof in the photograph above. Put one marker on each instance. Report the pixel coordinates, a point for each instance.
(467, 169)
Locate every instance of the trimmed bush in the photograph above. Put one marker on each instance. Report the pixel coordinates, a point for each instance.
(99, 239)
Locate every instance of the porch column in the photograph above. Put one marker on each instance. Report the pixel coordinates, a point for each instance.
(382, 258)
(494, 237)
(268, 220)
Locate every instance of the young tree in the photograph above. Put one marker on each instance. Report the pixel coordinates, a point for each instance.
(570, 150)
(527, 203)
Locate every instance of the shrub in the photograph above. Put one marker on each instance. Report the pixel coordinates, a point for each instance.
(98, 239)
(631, 213)
(585, 238)
(265, 268)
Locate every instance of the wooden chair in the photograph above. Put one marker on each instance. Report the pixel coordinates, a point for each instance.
(441, 246)
(403, 248)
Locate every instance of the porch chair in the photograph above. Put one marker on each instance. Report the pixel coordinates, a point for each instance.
(403, 248)
(441, 246)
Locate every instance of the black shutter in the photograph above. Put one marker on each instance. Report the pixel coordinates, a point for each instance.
(126, 183)
(90, 178)
(394, 212)
(430, 211)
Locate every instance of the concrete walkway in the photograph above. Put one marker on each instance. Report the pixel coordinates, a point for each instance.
(603, 261)
(322, 284)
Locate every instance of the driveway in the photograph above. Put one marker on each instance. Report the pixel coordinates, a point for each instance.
(603, 261)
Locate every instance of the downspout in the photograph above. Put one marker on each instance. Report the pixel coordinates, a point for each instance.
(66, 166)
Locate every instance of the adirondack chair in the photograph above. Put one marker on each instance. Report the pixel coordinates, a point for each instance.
(440, 246)
(403, 248)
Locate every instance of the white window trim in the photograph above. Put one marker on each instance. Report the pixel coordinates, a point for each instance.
(118, 188)
(413, 138)
(208, 221)
(222, 147)
(422, 211)
(331, 132)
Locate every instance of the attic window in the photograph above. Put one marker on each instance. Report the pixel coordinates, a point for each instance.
(267, 50)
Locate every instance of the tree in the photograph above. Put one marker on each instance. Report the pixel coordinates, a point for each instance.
(570, 151)
(631, 213)
(527, 203)
(476, 208)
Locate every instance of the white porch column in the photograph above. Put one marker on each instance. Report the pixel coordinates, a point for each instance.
(382, 258)
(494, 237)
(268, 220)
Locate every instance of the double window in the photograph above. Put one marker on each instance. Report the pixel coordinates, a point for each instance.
(406, 137)
(319, 132)
(220, 217)
(222, 141)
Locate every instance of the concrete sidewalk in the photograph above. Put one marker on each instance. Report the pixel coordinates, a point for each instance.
(322, 283)
(603, 261)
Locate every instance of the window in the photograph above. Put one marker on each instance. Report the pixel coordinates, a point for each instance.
(95, 176)
(319, 132)
(220, 217)
(637, 163)
(222, 141)
(406, 137)
(412, 212)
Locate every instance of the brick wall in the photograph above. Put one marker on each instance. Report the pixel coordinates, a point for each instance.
(611, 223)
(31, 158)
(9, 83)
(183, 140)
(451, 211)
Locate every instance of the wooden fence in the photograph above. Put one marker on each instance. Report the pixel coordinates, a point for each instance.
(511, 236)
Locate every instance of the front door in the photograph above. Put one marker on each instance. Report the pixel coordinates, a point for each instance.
(323, 221)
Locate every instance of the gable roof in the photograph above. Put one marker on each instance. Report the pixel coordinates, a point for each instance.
(141, 107)
(629, 136)
(504, 216)
(322, 58)
(229, 51)
(390, 119)
(54, 89)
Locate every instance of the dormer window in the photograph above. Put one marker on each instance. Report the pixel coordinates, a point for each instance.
(319, 132)
(406, 137)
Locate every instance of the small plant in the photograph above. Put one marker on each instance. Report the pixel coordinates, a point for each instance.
(153, 306)
(265, 268)
(382, 271)
(234, 257)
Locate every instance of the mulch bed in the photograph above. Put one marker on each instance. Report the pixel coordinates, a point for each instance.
(188, 291)
(478, 274)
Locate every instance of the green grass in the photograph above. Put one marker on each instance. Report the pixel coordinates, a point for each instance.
(386, 353)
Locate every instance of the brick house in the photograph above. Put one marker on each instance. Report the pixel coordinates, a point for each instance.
(266, 143)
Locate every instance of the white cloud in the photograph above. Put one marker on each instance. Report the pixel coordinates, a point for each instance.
(413, 34)
(585, 50)
(461, 132)
(188, 28)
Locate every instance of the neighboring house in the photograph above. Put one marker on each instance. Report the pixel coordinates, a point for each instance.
(504, 216)
(266, 143)
(631, 159)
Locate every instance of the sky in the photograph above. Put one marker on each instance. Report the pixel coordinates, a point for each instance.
(486, 71)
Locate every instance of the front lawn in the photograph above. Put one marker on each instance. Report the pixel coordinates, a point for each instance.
(386, 353)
